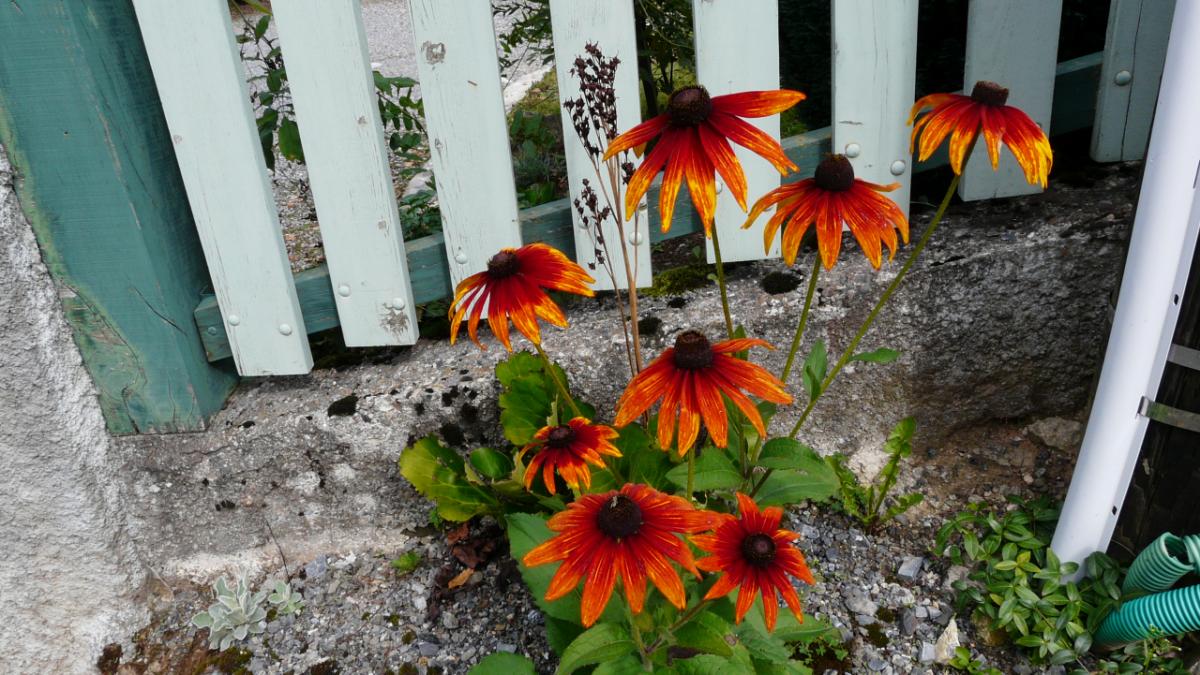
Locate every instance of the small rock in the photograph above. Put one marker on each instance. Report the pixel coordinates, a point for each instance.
(928, 652)
(449, 621)
(317, 568)
(956, 573)
(419, 602)
(427, 648)
(910, 567)
(922, 612)
(861, 604)
(876, 664)
(505, 647)
(908, 622)
(1022, 669)
(933, 612)
(943, 649)
(1058, 433)
(864, 620)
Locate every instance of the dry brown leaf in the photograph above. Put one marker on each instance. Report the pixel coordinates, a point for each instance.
(461, 578)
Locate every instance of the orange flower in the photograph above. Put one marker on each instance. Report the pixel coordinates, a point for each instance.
(630, 534)
(831, 197)
(985, 108)
(569, 448)
(756, 555)
(511, 286)
(690, 377)
(693, 139)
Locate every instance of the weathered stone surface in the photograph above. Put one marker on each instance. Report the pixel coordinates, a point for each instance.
(68, 573)
(1058, 433)
(943, 649)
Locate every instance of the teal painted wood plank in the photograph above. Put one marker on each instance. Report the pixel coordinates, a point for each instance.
(81, 121)
(874, 77)
(737, 49)
(1013, 43)
(325, 49)
(202, 84)
(1135, 48)
(1074, 107)
(609, 25)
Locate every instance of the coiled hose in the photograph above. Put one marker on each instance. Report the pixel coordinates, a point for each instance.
(1164, 612)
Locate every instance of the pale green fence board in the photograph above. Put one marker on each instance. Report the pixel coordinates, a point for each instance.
(874, 76)
(1135, 48)
(96, 177)
(608, 24)
(468, 136)
(737, 49)
(1015, 44)
(333, 91)
(202, 85)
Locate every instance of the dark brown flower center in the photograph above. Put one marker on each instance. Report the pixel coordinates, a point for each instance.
(560, 436)
(758, 549)
(689, 106)
(620, 517)
(503, 264)
(989, 93)
(834, 174)
(692, 351)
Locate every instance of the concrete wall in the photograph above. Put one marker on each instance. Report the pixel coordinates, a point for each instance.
(68, 574)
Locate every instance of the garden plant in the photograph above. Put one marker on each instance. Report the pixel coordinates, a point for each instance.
(685, 483)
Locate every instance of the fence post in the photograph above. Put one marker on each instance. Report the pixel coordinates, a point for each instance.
(468, 137)
(874, 76)
(202, 83)
(1015, 44)
(609, 25)
(325, 49)
(737, 49)
(81, 121)
(1134, 49)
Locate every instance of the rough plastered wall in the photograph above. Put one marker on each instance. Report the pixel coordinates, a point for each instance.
(68, 574)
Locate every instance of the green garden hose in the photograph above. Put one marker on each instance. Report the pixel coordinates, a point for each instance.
(1164, 612)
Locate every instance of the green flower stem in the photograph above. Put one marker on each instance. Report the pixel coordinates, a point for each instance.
(812, 287)
(691, 481)
(679, 623)
(636, 634)
(716, 240)
(562, 387)
(862, 330)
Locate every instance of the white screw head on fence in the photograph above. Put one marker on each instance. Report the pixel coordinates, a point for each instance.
(285, 329)
(635, 238)
(344, 291)
(1123, 77)
(720, 186)
(460, 257)
(398, 304)
(853, 150)
(233, 319)
(898, 167)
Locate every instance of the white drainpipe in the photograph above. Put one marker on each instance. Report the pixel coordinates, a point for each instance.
(1156, 270)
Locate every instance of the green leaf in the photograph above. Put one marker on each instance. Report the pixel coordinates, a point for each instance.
(275, 80)
(406, 563)
(437, 472)
(260, 28)
(602, 642)
(881, 355)
(639, 462)
(709, 664)
(815, 367)
(491, 463)
(707, 633)
(524, 408)
(762, 645)
(714, 471)
(791, 486)
(518, 364)
(502, 663)
(560, 633)
(626, 665)
(788, 453)
(289, 141)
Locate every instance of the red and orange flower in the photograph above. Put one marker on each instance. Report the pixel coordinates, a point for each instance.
(511, 287)
(569, 449)
(831, 197)
(630, 534)
(984, 109)
(756, 557)
(693, 140)
(690, 379)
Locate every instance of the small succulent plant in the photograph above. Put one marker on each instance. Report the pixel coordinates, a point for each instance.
(286, 600)
(236, 614)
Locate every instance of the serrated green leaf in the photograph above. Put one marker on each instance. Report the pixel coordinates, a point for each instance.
(600, 643)
(881, 355)
(707, 632)
(491, 463)
(714, 471)
(502, 663)
(761, 644)
(788, 453)
(437, 472)
(791, 486)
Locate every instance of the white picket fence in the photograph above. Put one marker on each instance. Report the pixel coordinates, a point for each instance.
(203, 89)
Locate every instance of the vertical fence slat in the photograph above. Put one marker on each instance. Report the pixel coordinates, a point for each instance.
(468, 137)
(1134, 50)
(874, 75)
(1015, 44)
(325, 49)
(737, 49)
(609, 25)
(202, 85)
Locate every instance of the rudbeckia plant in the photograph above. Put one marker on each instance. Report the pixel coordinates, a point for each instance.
(653, 531)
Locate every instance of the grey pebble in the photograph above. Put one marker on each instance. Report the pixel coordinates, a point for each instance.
(908, 622)
(927, 653)
(910, 568)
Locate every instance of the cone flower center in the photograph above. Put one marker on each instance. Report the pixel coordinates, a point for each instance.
(758, 549)
(560, 436)
(692, 351)
(503, 264)
(834, 174)
(689, 106)
(989, 93)
(619, 518)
